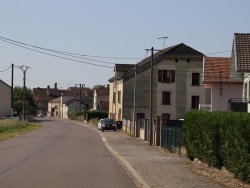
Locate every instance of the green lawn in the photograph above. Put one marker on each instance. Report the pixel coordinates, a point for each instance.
(10, 128)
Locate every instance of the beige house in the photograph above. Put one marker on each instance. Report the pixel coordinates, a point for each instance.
(54, 107)
(101, 99)
(116, 91)
(177, 85)
(5, 99)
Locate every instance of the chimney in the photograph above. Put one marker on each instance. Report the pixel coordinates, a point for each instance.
(48, 90)
(108, 88)
(55, 85)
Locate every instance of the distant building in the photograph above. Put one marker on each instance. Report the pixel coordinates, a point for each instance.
(101, 99)
(5, 99)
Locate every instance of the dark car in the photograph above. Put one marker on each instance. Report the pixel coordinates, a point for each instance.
(107, 124)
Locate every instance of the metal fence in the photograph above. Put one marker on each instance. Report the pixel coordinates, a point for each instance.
(171, 135)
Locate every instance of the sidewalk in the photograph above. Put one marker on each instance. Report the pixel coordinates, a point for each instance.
(151, 166)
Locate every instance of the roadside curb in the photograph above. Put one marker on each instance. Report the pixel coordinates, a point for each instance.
(134, 175)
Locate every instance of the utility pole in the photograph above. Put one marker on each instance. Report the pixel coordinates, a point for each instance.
(24, 69)
(80, 96)
(134, 113)
(12, 80)
(151, 95)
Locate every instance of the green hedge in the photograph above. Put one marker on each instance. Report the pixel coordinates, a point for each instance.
(219, 139)
(86, 115)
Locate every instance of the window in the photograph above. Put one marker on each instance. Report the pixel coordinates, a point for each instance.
(176, 60)
(166, 97)
(166, 116)
(119, 97)
(55, 106)
(195, 102)
(166, 76)
(114, 97)
(195, 79)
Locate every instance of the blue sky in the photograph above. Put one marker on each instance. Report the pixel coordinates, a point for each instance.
(111, 28)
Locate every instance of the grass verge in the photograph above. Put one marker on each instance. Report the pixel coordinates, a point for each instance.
(10, 128)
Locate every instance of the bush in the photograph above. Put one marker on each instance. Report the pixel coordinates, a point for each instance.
(219, 139)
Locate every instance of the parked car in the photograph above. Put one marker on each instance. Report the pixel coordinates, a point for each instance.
(41, 115)
(106, 124)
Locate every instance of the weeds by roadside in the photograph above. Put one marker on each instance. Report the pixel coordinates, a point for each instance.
(10, 128)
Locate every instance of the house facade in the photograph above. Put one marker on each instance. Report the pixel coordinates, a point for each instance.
(176, 86)
(224, 83)
(101, 99)
(116, 91)
(74, 104)
(241, 61)
(54, 107)
(5, 99)
(42, 96)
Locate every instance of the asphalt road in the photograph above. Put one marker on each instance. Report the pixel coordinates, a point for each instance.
(61, 154)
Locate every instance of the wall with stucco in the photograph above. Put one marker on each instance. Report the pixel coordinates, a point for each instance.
(5, 99)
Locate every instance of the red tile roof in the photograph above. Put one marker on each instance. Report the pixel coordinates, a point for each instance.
(40, 94)
(242, 50)
(102, 91)
(217, 69)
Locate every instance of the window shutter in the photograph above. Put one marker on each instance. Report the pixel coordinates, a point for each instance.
(159, 75)
(172, 75)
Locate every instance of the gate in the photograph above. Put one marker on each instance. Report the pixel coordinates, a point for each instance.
(171, 135)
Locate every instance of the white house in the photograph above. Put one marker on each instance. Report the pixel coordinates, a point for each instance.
(5, 99)
(241, 61)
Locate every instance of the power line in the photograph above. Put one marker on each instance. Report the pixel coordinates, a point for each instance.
(6, 69)
(65, 53)
(57, 55)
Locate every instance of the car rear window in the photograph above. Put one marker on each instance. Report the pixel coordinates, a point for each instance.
(108, 120)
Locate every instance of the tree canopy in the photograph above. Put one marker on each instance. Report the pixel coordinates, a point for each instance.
(30, 105)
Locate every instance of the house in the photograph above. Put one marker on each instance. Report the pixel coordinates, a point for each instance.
(43, 95)
(5, 99)
(176, 85)
(74, 104)
(54, 107)
(70, 100)
(101, 99)
(224, 83)
(241, 61)
(116, 90)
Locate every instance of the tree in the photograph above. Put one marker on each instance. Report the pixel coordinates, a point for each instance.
(30, 105)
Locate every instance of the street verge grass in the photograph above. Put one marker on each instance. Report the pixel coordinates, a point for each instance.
(10, 128)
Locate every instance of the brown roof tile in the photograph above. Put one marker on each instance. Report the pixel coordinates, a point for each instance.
(242, 45)
(123, 67)
(176, 49)
(40, 94)
(102, 91)
(217, 69)
(75, 91)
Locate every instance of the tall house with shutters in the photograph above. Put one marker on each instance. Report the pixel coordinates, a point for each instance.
(177, 84)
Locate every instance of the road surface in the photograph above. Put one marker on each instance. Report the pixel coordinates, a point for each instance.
(61, 154)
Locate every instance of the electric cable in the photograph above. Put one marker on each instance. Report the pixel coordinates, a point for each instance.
(6, 69)
(57, 55)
